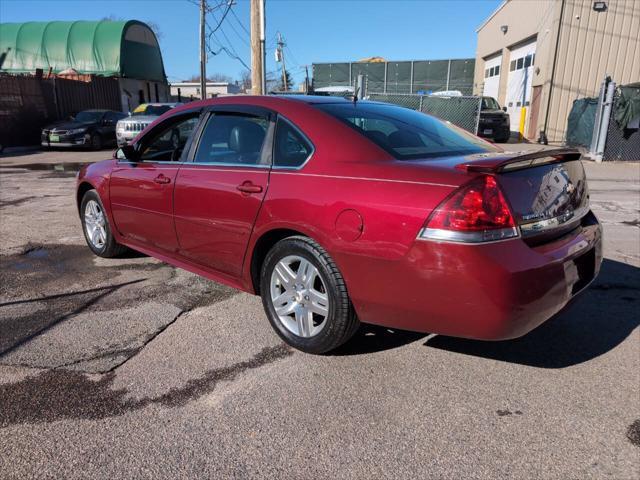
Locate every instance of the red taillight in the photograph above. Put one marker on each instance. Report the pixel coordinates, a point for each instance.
(477, 212)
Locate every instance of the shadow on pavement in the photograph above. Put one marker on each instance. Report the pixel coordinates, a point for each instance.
(604, 316)
(372, 338)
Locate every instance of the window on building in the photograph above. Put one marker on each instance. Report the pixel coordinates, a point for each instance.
(527, 61)
(497, 70)
(519, 63)
(512, 66)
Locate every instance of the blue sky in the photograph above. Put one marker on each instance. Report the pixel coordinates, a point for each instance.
(315, 31)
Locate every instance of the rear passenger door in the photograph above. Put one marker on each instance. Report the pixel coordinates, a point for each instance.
(219, 192)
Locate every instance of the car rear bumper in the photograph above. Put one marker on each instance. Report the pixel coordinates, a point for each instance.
(491, 291)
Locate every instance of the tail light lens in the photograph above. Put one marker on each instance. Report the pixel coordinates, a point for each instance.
(476, 212)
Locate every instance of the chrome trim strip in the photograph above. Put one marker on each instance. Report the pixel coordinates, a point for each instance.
(280, 171)
(482, 236)
(540, 226)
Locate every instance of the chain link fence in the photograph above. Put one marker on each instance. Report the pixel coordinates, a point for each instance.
(461, 111)
(623, 143)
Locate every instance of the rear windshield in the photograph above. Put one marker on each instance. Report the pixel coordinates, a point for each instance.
(489, 103)
(406, 134)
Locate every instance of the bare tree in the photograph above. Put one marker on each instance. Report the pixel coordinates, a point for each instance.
(245, 80)
(155, 28)
(213, 77)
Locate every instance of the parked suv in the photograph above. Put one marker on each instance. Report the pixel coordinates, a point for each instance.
(494, 121)
(89, 128)
(128, 128)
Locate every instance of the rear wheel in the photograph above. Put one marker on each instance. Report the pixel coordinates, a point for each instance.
(96, 228)
(305, 297)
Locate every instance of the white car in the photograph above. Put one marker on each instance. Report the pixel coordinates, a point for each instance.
(128, 128)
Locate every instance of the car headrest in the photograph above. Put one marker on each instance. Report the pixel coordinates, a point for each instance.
(246, 137)
(404, 138)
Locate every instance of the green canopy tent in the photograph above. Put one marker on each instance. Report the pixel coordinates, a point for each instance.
(126, 49)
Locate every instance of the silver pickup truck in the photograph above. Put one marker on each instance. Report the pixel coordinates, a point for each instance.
(128, 128)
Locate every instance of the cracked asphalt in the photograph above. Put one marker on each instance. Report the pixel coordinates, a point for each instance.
(130, 368)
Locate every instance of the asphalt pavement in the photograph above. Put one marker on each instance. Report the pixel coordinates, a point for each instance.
(130, 368)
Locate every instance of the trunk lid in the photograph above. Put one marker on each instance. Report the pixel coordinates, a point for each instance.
(547, 190)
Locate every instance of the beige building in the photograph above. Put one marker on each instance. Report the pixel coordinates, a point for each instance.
(544, 54)
(187, 91)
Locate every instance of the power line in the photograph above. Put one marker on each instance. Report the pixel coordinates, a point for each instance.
(233, 13)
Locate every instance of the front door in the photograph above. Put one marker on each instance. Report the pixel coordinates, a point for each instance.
(218, 195)
(521, 69)
(141, 192)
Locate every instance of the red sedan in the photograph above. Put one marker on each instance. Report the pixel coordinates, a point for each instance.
(339, 212)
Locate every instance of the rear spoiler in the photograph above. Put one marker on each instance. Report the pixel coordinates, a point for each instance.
(515, 161)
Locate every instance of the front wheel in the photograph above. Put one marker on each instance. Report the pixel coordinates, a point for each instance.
(305, 297)
(96, 228)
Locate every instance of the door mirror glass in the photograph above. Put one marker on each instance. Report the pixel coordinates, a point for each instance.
(504, 109)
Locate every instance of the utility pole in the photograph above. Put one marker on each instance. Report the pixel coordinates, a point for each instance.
(203, 51)
(257, 47)
(263, 48)
(281, 56)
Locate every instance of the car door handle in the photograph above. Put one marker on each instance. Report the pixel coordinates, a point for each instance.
(248, 187)
(162, 179)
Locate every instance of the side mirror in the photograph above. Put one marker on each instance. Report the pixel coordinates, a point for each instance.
(128, 152)
(504, 109)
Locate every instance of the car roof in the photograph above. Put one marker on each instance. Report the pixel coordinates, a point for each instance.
(311, 99)
(160, 104)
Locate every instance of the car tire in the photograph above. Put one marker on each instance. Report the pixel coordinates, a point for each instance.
(96, 228)
(96, 142)
(300, 319)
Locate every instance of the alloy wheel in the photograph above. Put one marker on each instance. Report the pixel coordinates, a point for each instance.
(95, 224)
(299, 296)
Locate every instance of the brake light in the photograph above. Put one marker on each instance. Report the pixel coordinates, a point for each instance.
(476, 212)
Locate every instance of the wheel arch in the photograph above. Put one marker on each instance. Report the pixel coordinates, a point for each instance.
(81, 191)
(263, 244)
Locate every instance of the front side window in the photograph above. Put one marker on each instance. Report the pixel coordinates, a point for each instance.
(168, 144)
(291, 149)
(233, 138)
(406, 134)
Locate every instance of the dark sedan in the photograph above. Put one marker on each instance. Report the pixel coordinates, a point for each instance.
(90, 128)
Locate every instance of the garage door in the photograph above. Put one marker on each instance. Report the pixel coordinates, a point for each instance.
(492, 76)
(521, 63)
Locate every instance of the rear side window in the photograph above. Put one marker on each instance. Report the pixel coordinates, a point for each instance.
(233, 138)
(406, 134)
(291, 148)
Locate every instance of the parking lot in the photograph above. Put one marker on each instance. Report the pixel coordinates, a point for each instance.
(131, 368)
